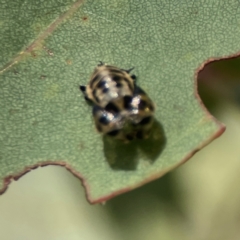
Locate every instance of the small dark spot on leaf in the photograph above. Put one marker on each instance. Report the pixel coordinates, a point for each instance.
(15, 72)
(178, 107)
(49, 52)
(35, 123)
(38, 29)
(69, 62)
(81, 146)
(13, 111)
(33, 54)
(43, 77)
(85, 18)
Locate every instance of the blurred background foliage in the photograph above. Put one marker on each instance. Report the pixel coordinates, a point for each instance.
(199, 200)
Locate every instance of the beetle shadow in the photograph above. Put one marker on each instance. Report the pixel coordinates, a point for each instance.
(125, 156)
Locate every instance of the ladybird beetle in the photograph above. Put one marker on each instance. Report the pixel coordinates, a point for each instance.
(121, 109)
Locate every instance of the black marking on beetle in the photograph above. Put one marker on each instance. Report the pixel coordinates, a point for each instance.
(129, 137)
(133, 77)
(94, 92)
(142, 105)
(95, 96)
(115, 70)
(87, 99)
(140, 135)
(151, 107)
(96, 78)
(145, 120)
(104, 120)
(138, 90)
(127, 102)
(101, 84)
(95, 110)
(116, 78)
(111, 107)
(82, 88)
(105, 90)
(113, 133)
(128, 83)
(118, 85)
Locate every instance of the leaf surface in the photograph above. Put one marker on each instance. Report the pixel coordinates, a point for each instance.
(52, 47)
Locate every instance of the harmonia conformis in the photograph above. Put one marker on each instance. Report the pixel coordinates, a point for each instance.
(121, 109)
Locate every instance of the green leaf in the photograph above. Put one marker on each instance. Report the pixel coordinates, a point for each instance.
(48, 49)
